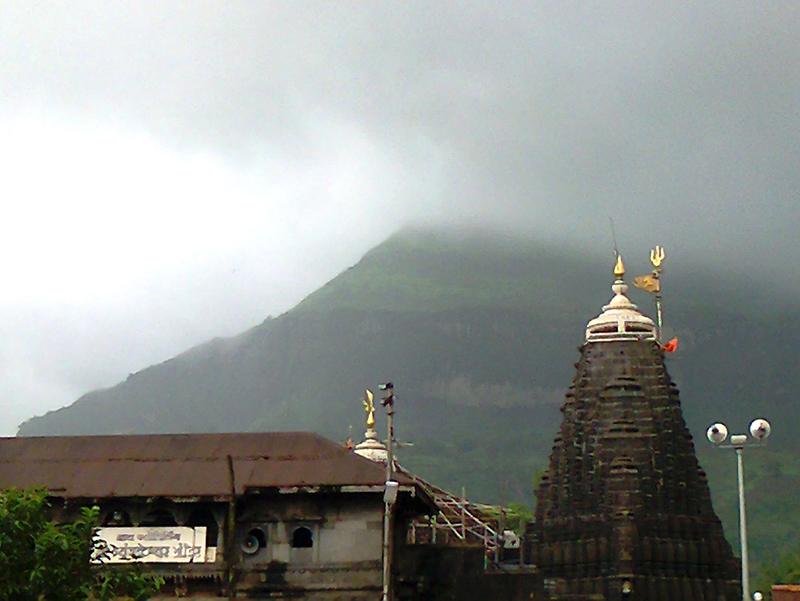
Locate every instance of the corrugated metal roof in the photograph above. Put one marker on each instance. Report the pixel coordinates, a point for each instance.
(180, 465)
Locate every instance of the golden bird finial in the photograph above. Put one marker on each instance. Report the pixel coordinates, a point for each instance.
(369, 408)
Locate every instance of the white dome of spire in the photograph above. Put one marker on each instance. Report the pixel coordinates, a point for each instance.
(372, 448)
(620, 319)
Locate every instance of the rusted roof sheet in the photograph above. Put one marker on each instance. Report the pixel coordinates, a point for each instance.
(181, 465)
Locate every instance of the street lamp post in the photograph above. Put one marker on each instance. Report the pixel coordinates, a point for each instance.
(390, 492)
(717, 434)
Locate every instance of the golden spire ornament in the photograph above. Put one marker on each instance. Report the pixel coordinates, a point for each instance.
(369, 407)
(619, 268)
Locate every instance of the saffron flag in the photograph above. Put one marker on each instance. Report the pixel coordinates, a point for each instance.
(648, 283)
(671, 346)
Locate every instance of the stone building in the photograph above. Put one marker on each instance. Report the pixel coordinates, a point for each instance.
(259, 516)
(624, 510)
(275, 515)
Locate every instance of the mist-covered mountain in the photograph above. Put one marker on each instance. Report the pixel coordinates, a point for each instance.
(479, 333)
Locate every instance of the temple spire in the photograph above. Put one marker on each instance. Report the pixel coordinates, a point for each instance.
(624, 510)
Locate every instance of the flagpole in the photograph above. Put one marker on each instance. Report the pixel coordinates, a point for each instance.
(656, 257)
(658, 310)
(652, 283)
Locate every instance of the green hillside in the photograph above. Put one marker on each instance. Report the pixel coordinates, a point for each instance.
(427, 271)
(479, 333)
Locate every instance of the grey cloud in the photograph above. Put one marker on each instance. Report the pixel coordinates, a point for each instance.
(678, 119)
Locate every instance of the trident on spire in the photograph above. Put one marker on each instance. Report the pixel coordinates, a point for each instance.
(656, 256)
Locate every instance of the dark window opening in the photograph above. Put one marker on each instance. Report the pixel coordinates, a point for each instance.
(159, 517)
(204, 517)
(117, 517)
(302, 538)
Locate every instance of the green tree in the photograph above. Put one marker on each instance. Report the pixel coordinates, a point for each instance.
(43, 560)
(785, 571)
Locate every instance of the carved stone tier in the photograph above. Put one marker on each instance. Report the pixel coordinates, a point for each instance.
(371, 447)
(624, 509)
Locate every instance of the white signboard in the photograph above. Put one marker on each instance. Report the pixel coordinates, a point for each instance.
(162, 544)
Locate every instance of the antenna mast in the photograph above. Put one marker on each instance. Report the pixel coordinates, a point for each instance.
(613, 237)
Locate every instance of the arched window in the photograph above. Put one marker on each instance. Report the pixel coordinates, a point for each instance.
(117, 517)
(302, 538)
(159, 517)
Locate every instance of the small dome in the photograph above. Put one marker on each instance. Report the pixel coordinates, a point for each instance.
(620, 319)
(371, 447)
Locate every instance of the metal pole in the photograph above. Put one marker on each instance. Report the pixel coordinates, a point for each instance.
(390, 441)
(658, 314)
(464, 513)
(387, 552)
(230, 526)
(743, 526)
(716, 434)
(387, 510)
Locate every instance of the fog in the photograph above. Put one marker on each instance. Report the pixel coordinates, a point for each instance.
(178, 171)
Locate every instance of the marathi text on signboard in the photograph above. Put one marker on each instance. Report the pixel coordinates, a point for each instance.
(163, 544)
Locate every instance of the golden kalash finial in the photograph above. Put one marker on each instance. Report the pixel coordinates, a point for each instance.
(619, 268)
(369, 408)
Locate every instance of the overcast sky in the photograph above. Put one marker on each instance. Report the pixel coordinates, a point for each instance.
(174, 171)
